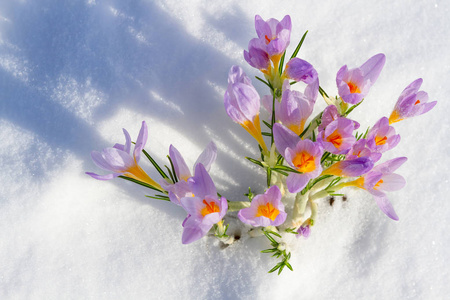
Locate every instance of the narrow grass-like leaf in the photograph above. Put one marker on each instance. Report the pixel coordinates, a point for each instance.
(281, 172)
(155, 164)
(266, 133)
(141, 183)
(267, 124)
(274, 233)
(157, 198)
(256, 162)
(280, 68)
(299, 45)
(269, 176)
(322, 92)
(170, 174)
(352, 108)
(265, 82)
(286, 168)
(173, 169)
(269, 250)
(275, 268)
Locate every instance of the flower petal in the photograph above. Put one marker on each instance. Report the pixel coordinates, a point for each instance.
(201, 183)
(207, 157)
(181, 169)
(141, 141)
(385, 205)
(284, 138)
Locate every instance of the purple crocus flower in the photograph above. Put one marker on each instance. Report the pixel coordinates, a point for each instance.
(304, 230)
(300, 70)
(302, 155)
(275, 35)
(265, 210)
(380, 180)
(181, 188)
(257, 57)
(242, 103)
(360, 149)
(411, 102)
(338, 137)
(295, 107)
(381, 137)
(354, 84)
(119, 160)
(350, 168)
(204, 209)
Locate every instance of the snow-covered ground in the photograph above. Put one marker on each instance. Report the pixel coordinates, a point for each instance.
(74, 73)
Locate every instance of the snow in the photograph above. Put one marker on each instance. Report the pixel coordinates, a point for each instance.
(72, 75)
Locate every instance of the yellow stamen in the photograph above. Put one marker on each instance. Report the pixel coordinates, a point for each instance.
(335, 138)
(209, 208)
(377, 185)
(380, 140)
(267, 211)
(304, 162)
(353, 87)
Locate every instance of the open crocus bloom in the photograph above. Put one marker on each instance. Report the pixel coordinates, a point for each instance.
(242, 104)
(295, 107)
(119, 160)
(354, 84)
(382, 137)
(265, 210)
(411, 102)
(302, 155)
(204, 208)
(338, 137)
(181, 188)
(380, 180)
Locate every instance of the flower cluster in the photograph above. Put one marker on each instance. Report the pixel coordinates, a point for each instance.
(308, 157)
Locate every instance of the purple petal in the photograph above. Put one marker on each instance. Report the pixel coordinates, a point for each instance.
(103, 177)
(392, 182)
(207, 157)
(301, 70)
(296, 182)
(372, 68)
(193, 231)
(141, 141)
(193, 206)
(391, 165)
(127, 146)
(284, 138)
(202, 184)
(181, 169)
(385, 205)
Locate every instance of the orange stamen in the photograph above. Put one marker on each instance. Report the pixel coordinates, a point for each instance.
(380, 140)
(378, 183)
(268, 211)
(304, 162)
(335, 138)
(353, 87)
(267, 40)
(417, 102)
(209, 208)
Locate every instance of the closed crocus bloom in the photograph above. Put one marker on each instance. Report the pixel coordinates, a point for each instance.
(119, 160)
(382, 179)
(354, 84)
(411, 102)
(302, 155)
(275, 35)
(338, 137)
(242, 103)
(382, 137)
(294, 108)
(300, 70)
(265, 210)
(204, 209)
(257, 57)
(350, 168)
(181, 188)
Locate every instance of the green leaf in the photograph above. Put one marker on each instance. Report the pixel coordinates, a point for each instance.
(299, 45)
(269, 250)
(288, 265)
(170, 174)
(265, 82)
(281, 172)
(352, 108)
(173, 169)
(256, 162)
(158, 197)
(275, 268)
(281, 269)
(267, 124)
(286, 168)
(269, 176)
(266, 133)
(322, 92)
(304, 131)
(157, 167)
(274, 233)
(280, 68)
(141, 183)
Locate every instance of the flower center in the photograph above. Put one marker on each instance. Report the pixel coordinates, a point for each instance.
(380, 140)
(209, 208)
(377, 185)
(335, 138)
(304, 162)
(353, 87)
(267, 211)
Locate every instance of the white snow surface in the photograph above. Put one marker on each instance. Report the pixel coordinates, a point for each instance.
(74, 73)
